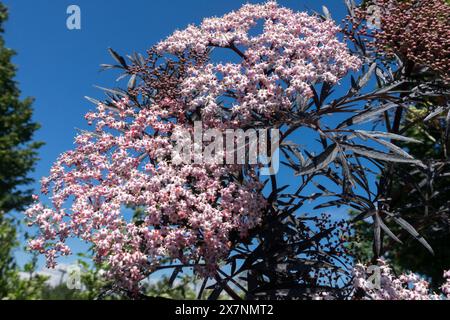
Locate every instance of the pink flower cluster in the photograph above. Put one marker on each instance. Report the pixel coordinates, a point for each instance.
(293, 52)
(404, 287)
(189, 210)
(191, 213)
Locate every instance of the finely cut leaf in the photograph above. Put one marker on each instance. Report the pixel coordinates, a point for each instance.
(366, 115)
(363, 81)
(321, 161)
(326, 12)
(388, 135)
(118, 58)
(405, 225)
(374, 154)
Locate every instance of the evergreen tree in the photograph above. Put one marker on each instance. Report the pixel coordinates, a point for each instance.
(18, 155)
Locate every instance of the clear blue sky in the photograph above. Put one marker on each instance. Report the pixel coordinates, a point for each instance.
(58, 67)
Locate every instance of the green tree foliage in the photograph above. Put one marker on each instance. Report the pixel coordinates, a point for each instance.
(17, 150)
(18, 154)
(184, 288)
(91, 285)
(94, 286)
